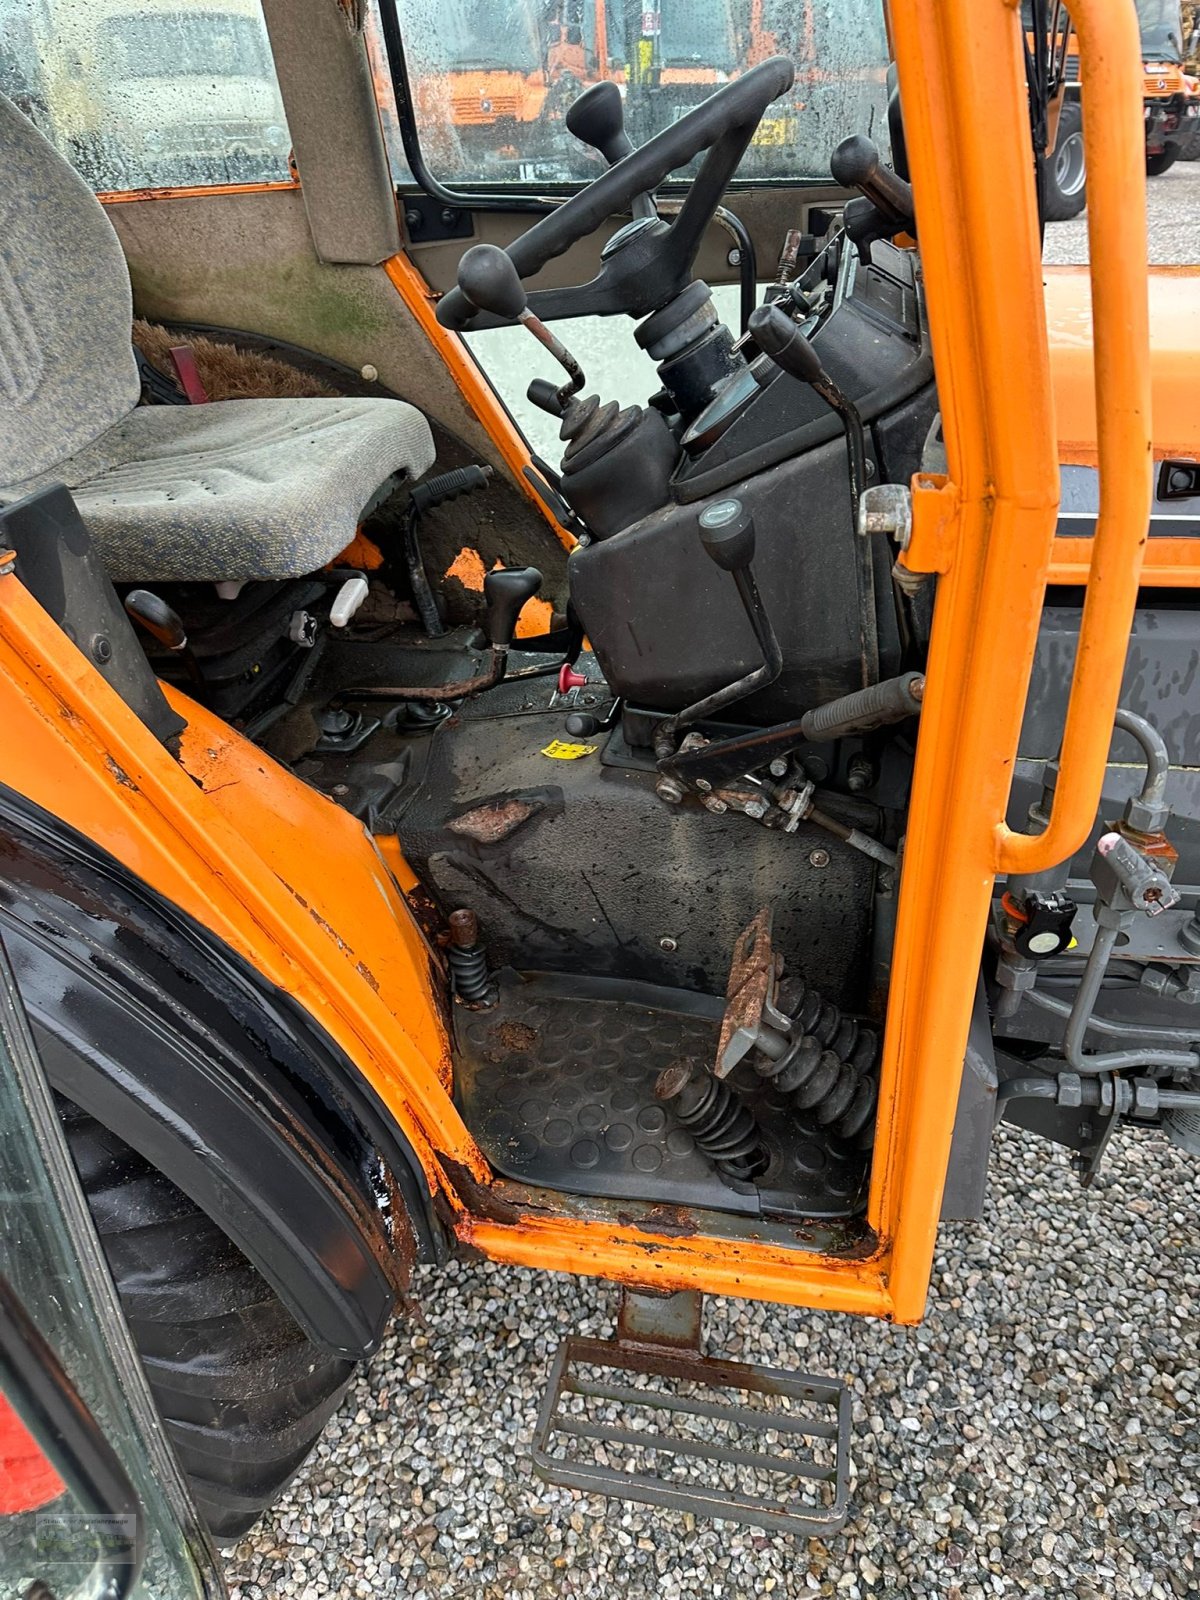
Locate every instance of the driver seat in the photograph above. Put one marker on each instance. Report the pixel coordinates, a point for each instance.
(230, 491)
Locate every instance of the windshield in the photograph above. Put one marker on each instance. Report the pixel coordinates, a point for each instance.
(182, 45)
(489, 34)
(1162, 30)
(490, 81)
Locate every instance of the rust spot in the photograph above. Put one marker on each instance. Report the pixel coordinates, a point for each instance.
(517, 1036)
(673, 1221)
(750, 975)
(120, 774)
(489, 823)
(479, 1198)
(365, 973)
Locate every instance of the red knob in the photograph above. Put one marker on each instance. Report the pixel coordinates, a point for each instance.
(569, 679)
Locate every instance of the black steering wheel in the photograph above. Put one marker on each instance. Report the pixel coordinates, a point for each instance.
(646, 263)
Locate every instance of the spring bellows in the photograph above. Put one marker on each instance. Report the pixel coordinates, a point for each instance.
(469, 976)
(829, 1070)
(721, 1125)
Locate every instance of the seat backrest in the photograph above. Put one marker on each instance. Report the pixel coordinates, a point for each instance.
(67, 370)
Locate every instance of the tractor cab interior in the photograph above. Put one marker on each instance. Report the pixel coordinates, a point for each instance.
(653, 826)
(718, 716)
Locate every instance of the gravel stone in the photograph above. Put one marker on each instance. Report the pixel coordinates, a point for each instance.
(1036, 1436)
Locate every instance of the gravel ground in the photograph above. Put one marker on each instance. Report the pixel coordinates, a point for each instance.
(1173, 207)
(1037, 1435)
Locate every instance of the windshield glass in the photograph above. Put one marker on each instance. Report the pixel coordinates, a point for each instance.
(491, 80)
(1162, 29)
(482, 34)
(182, 45)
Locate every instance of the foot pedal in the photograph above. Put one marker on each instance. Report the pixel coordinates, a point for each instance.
(646, 1417)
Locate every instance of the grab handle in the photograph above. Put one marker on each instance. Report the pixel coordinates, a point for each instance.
(1114, 151)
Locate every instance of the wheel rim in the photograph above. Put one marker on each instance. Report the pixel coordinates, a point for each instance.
(1069, 172)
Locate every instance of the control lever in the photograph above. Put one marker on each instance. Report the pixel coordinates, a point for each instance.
(164, 624)
(857, 164)
(727, 535)
(489, 280)
(505, 591)
(598, 118)
(777, 336)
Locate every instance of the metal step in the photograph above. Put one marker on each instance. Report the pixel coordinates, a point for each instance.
(647, 1417)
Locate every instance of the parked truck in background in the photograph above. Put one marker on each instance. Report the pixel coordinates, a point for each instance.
(148, 92)
(1171, 108)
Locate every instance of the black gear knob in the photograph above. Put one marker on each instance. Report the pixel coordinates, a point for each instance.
(598, 118)
(727, 534)
(488, 278)
(857, 164)
(777, 336)
(505, 591)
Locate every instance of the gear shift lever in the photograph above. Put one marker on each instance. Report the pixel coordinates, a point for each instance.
(598, 118)
(505, 591)
(489, 280)
(777, 336)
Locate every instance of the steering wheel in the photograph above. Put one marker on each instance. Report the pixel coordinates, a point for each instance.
(648, 261)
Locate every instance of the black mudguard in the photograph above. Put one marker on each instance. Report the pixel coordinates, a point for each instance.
(224, 1083)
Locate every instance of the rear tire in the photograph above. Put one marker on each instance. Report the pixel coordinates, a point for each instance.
(1064, 193)
(1162, 162)
(244, 1393)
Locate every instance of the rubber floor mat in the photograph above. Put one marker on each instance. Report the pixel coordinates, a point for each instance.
(556, 1083)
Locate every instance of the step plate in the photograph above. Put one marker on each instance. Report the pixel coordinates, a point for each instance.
(556, 1083)
(718, 1438)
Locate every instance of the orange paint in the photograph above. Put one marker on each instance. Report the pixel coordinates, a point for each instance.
(362, 553)
(536, 615)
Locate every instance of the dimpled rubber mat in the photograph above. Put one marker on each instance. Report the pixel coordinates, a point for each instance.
(556, 1083)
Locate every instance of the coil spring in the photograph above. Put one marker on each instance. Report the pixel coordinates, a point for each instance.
(469, 974)
(829, 1073)
(723, 1128)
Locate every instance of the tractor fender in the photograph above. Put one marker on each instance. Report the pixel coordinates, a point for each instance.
(216, 1077)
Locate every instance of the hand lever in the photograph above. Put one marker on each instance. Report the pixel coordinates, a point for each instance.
(777, 336)
(161, 621)
(598, 118)
(857, 164)
(505, 591)
(489, 280)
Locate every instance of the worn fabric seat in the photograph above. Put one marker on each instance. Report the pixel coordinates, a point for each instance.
(234, 490)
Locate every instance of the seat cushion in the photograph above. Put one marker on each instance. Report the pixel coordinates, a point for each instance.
(237, 489)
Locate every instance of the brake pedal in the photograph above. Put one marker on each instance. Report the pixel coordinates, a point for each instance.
(646, 1417)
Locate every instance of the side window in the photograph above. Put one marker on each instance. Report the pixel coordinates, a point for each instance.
(491, 80)
(142, 94)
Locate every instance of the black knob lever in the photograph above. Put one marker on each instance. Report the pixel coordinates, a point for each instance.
(488, 278)
(857, 164)
(505, 591)
(777, 336)
(598, 118)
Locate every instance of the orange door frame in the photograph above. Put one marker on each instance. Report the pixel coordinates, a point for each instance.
(302, 891)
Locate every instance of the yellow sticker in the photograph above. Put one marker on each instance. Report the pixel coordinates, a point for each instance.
(558, 751)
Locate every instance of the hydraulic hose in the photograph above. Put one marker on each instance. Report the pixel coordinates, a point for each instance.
(1158, 759)
(1080, 1017)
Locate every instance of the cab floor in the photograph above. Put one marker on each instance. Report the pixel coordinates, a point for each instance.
(556, 1083)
